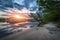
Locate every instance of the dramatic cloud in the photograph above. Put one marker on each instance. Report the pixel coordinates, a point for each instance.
(21, 5)
(19, 2)
(29, 4)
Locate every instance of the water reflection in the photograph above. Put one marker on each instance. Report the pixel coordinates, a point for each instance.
(7, 29)
(22, 24)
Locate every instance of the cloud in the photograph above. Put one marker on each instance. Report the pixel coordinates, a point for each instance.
(33, 6)
(27, 3)
(28, 6)
(24, 10)
(19, 2)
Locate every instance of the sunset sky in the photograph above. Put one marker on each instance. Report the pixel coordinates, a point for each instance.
(28, 6)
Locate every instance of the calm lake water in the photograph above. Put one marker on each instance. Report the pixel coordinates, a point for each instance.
(7, 29)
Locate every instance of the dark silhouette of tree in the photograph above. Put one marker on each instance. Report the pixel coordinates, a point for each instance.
(51, 10)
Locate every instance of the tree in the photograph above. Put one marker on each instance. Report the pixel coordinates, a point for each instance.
(37, 17)
(51, 10)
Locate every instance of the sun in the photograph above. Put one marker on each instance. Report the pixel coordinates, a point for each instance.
(17, 16)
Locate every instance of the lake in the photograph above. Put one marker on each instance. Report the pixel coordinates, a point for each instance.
(8, 29)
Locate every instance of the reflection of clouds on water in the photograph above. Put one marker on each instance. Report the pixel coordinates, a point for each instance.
(33, 24)
(4, 32)
(8, 29)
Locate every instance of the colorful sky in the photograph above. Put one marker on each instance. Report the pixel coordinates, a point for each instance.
(29, 4)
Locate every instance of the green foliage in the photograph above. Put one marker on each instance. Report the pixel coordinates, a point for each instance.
(37, 17)
(51, 10)
(34, 16)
